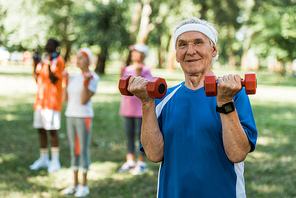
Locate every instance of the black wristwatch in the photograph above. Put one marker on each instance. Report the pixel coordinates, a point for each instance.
(226, 108)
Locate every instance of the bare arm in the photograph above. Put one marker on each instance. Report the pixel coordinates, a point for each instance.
(235, 140)
(36, 60)
(64, 86)
(86, 94)
(151, 136)
(35, 75)
(64, 94)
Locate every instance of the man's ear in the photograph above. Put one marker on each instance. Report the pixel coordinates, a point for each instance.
(215, 50)
(177, 59)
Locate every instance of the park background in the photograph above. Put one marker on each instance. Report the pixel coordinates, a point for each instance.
(255, 35)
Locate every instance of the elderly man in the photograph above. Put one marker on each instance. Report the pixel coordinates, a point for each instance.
(201, 150)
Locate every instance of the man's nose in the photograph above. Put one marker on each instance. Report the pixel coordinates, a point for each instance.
(191, 49)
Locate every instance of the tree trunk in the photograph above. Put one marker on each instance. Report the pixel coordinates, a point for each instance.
(160, 57)
(134, 27)
(203, 11)
(101, 63)
(145, 26)
(231, 56)
(159, 50)
(68, 50)
(171, 56)
(135, 21)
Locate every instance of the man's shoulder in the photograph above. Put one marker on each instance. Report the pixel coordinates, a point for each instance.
(170, 92)
(173, 89)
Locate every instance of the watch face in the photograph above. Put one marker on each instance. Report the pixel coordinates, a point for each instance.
(228, 108)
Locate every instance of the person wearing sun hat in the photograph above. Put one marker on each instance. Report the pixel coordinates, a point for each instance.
(141, 47)
(131, 110)
(201, 144)
(79, 113)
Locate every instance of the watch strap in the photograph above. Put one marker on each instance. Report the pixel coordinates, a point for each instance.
(226, 108)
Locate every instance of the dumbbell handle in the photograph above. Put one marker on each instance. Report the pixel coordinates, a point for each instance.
(156, 87)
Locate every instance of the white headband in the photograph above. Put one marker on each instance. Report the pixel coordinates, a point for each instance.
(194, 27)
(87, 53)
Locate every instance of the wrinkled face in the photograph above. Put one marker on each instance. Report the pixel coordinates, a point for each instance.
(195, 52)
(137, 56)
(82, 61)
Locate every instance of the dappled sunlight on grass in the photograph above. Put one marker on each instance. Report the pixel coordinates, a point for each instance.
(267, 189)
(269, 170)
(272, 141)
(274, 94)
(285, 159)
(265, 140)
(102, 170)
(10, 117)
(7, 157)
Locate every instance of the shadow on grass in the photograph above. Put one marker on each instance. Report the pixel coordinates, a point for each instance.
(269, 170)
(19, 148)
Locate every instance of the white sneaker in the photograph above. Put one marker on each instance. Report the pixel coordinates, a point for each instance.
(70, 190)
(54, 165)
(82, 191)
(39, 163)
(126, 167)
(140, 169)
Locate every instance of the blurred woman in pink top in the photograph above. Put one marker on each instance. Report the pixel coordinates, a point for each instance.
(131, 110)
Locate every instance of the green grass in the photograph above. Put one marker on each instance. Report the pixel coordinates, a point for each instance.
(269, 171)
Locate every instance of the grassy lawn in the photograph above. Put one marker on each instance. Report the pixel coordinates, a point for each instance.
(269, 171)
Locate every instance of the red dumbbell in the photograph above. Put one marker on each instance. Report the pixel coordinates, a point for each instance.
(156, 87)
(250, 84)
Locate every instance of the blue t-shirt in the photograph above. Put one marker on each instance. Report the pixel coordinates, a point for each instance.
(195, 163)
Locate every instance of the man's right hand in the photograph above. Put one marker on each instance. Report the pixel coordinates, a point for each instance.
(138, 87)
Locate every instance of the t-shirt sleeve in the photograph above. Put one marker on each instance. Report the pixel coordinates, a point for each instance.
(93, 83)
(58, 68)
(141, 147)
(246, 117)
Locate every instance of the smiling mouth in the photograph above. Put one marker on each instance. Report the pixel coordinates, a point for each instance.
(192, 60)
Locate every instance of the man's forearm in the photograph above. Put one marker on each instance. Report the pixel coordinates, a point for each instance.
(151, 136)
(235, 140)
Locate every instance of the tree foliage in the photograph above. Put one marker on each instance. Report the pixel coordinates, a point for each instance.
(110, 26)
(105, 26)
(21, 26)
(274, 24)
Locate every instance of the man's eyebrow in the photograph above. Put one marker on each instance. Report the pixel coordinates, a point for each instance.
(181, 41)
(184, 41)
